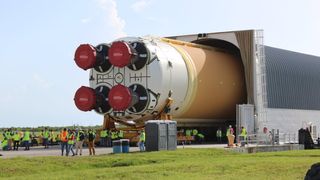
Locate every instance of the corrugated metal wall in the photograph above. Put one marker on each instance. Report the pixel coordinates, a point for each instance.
(293, 79)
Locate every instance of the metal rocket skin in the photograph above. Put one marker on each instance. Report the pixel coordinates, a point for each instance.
(131, 79)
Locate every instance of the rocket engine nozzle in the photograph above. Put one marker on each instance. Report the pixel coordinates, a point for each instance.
(121, 98)
(85, 56)
(121, 54)
(85, 98)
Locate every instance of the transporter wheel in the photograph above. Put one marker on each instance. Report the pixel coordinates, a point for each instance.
(313, 173)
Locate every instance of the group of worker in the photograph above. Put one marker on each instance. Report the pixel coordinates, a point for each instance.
(75, 139)
(13, 138)
(107, 136)
(231, 137)
(193, 134)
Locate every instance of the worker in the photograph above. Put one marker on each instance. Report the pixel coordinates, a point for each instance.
(219, 135)
(64, 140)
(79, 141)
(114, 135)
(243, 136)
(70, 142)
(108, 138)
(16, 140)
(120, 134)
(26, 139)
(230, 136)
(188, 136)
(200, 137)
(103, 137)
(5, 145)
(142, 139)
(45, 138)
(91, 138)
(8, 136)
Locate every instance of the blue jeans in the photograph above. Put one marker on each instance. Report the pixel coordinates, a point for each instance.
(141, 146)
(70, 148)
(64, 145)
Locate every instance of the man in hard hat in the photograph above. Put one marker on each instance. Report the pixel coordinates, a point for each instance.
(64, 140)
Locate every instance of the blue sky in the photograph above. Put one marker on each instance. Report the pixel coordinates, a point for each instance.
(38, 38)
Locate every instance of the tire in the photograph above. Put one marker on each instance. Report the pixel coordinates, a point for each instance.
(313, 173)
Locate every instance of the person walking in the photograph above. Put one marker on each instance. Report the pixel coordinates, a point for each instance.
(64, 140)
(219, 135)
(70, 142)
(79, 141)
(91, 138)
(142, 139)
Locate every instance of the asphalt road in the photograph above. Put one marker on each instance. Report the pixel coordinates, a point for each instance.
(56, 151)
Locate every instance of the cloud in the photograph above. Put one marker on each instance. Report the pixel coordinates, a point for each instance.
(140, 5)
(41, 81)
(113, 17)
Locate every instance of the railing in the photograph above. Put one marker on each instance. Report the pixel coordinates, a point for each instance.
(270, 139)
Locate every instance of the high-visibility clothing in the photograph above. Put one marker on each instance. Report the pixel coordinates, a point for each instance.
(80, 133)
(16, 137)
(219, 133)
(120, 134)
(46, 134)
(188, 132)
(64, 136)
(200, 135)
(26, 136)
(194, 132)
(114, 135)
(243, 132)
(8, 135)
(4, 143)
(103, 133)
(143, 136)
(70, 138)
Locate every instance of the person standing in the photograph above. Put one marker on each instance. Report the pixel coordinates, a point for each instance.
(91, 138)
(45, 138)
(230, 136)
(64, 140)
(103, 137)
(219, 135)
(16, 140)
(243, 136)
(142, 139)
(70, 143)
(26, 139)
(79, 141)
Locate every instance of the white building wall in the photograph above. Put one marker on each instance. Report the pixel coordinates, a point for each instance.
(291, 120)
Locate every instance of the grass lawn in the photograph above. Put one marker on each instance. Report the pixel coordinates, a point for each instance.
(179, 164)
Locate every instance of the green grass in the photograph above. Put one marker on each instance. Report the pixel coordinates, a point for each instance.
(179, 164)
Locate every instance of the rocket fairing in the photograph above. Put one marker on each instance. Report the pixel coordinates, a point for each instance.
(132, 78)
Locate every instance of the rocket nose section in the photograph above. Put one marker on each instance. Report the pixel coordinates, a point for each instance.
(85, 56)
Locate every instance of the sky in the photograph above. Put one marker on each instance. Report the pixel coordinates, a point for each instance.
(38, 39)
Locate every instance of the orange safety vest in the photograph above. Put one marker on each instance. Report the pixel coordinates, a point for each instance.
(63, 136)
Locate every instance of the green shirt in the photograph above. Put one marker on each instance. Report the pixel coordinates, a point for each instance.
(26, 136)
